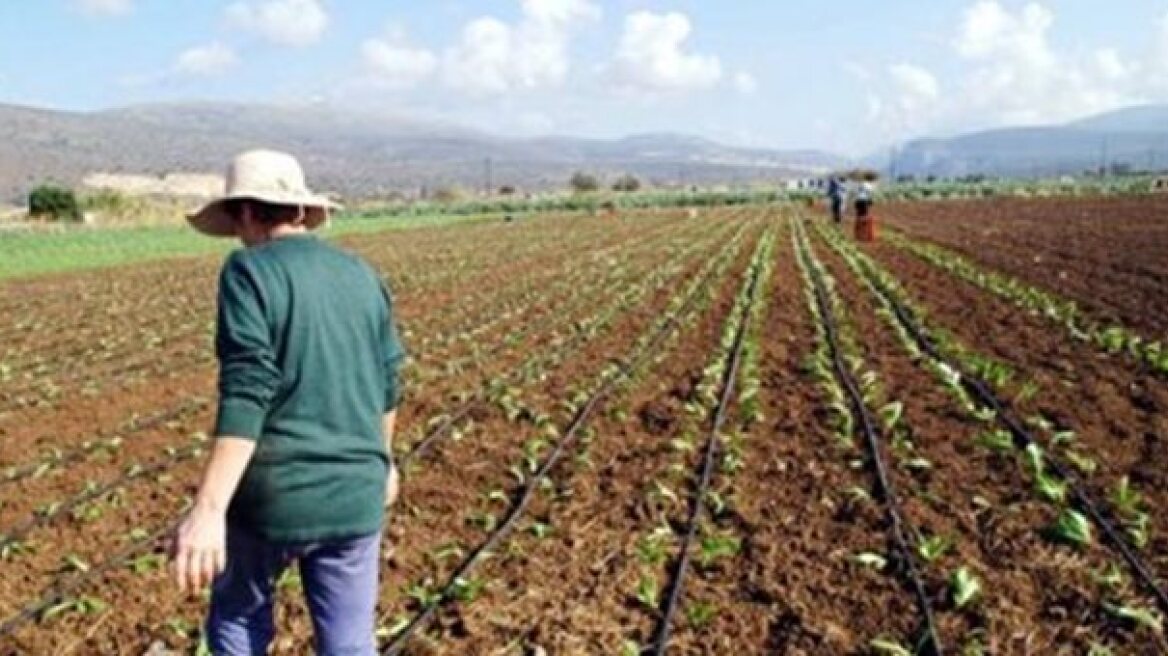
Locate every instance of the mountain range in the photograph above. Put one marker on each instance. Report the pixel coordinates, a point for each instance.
(362, 154)
(1133, 138)
(356, 154)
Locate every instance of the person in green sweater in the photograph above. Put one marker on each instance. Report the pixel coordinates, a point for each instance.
(300, 468)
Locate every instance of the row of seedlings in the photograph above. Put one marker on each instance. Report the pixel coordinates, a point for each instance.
(1109, 338)
(573, 514)
(157, 468)
(707, 530)
(576, 409)
(460, 425)
(971, 380)
(853, 391)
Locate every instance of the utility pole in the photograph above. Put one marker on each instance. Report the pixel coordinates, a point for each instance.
(488, 175)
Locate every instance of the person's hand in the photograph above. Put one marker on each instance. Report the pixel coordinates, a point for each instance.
(392, 485)
(200, 549)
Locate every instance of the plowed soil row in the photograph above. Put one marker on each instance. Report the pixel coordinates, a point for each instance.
(982, 502)
(125, 633)
(179, 309)
(113, 401)
(1106, 253)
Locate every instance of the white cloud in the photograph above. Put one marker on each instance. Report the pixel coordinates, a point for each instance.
(915, 83)
(651, 56)
(397, 64)
(745, 83)
(910, 97)
(1009, 72)
(1160, 54)
(210, 59)
(493, 57)
(285, 22)
(1017, 75)
(1110, 65)
(106, 7)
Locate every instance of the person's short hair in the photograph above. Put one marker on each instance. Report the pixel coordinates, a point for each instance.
(268, 214)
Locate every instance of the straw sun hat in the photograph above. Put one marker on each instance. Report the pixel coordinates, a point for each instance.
(267, 176)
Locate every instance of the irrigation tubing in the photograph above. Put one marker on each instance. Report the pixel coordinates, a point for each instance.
(661, 640)
(1022, 439)
(57, 592)
(531, 487)
(440, 431)
(931, 641)
(98, 442)
(60, 590)
(18, 532)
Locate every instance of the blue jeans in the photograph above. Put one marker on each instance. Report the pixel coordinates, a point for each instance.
(340, 580)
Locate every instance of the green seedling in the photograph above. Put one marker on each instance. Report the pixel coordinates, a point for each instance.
(147, 563)
(998, 441)
(1050, 488)
(700, 614)
(73, 563)
(421, 593)
(447, 551)
(933, 547)
(716, 547)
(467, 590)
(651, 550)
(80, 605)
(891, 415)
(1034, 459)
(871, 560)
(1127, 501)
(964, 587)
(1143, 617)
(1137, 530)
(483, 520)
(889, 648)
(400, 622)
(1072, 528)
(1083, 463)
(647, 592)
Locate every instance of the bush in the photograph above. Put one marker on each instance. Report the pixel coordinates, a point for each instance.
(448, 195)
(626, 183)
(53, 202)
(583, 182)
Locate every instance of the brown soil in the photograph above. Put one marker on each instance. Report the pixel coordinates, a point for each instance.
(792, 589)
(1107, 252)
(1001, 544)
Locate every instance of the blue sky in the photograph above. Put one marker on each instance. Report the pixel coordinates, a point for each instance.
(848, 76)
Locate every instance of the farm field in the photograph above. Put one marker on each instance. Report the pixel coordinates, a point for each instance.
(736, 433)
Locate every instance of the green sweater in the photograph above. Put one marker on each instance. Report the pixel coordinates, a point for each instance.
(308, 357)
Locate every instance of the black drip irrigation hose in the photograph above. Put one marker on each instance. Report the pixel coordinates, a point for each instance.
(58, 591)
(61, 590)
(440, 431)
(1023, 439)
(189, 359)
(661, 639)
(420, 620)
(97, 442)
(931, 644)
(15, 534)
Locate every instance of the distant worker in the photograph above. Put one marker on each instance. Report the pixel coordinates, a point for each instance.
(836, 196)
(865, 222)
(864, 198)
(300, 467)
